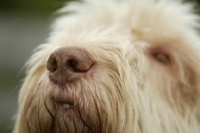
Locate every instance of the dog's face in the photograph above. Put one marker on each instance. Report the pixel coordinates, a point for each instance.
(110, 71)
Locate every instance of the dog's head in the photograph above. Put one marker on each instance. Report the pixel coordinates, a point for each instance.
(113, 67)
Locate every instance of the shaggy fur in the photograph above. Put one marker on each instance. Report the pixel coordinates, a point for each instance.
(146, 77)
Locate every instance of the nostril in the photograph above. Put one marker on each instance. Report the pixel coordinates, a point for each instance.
(79, 66)
(73, 64)
(52, 64)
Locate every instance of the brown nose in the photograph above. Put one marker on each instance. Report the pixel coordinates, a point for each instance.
(67, 64)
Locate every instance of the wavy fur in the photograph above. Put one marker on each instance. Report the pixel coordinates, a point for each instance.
(131, 91)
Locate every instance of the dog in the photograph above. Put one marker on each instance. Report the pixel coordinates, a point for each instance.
(115, 66)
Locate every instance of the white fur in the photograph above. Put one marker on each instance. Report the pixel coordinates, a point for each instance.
(138, 93)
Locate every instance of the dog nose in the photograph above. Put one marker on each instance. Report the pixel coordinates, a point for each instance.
(67, 64)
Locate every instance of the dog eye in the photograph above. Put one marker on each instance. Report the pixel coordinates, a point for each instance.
(162, 58)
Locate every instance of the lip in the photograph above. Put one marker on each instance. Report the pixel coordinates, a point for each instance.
(67, 105)
(68, 109)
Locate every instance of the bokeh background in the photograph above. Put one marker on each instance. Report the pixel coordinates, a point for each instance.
(23, 25)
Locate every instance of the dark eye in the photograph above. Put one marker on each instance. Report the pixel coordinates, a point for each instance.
(162, 58)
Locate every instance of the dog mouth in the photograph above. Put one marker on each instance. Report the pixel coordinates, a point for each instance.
(70, 115)
(67, 105)
(64, 103)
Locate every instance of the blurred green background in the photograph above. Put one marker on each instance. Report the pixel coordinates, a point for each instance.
(23, 25)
